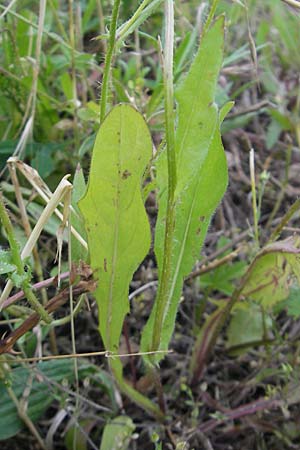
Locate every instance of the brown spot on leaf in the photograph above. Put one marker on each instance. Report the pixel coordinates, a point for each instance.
(284, 264)
(198, 231)
(126, 174)
(201, 218)
(105, 265)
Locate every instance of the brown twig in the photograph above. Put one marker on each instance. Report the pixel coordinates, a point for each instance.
(40, 285)
(214, 264)
(56, 302)
(241, 411)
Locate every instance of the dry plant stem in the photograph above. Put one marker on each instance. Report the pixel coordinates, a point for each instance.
(27, 229)
(56, 302)
(62, 189)
(108, 59)
(164, 285)
(42, 189)
(294, 3)
(73, 337)
(242, 411)
(8, 7)
(25, 418)
(284, 221)
(17, 260)
(24, 217)
(216, 328)
(40, 285)
(249, 109)
(253, 190)
(79, 355)
(214, 264)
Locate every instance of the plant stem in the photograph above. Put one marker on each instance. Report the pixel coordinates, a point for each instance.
(16, 258)
(108, 58)
(138, 398)
(254, 202)
(136, 19)
(25, 418)
(210, 16)
(284, 221)
(73, 73)
(35, 253)
(162, 295)
(217, 322)
(36, 70)
(101, 23)
(293, 3)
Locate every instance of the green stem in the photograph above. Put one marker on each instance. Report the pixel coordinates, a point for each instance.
(136, 19)
(73, 74)
(210, 16)
(108, 58)
(162, 296)
(138, 398)
(284, 221)
(17, 260)
(101, 23)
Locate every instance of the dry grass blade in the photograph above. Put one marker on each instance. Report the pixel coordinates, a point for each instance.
(62, 189)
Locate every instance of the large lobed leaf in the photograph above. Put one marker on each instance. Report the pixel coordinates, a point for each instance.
(201, 174)
(116, 222)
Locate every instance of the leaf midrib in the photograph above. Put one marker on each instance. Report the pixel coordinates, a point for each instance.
(182, 251)
(115, 250)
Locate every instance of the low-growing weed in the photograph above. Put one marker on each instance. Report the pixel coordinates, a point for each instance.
(155, 139)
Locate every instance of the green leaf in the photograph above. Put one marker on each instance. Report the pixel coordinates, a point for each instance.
(247, 326)
(117, 434)
(201, 174)
(116, 222)
(292, 303)
(43, 390)
(76, 437)
(137, 19)
(40, 394)
(222, 278)
(271, 273)
(6, 264)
